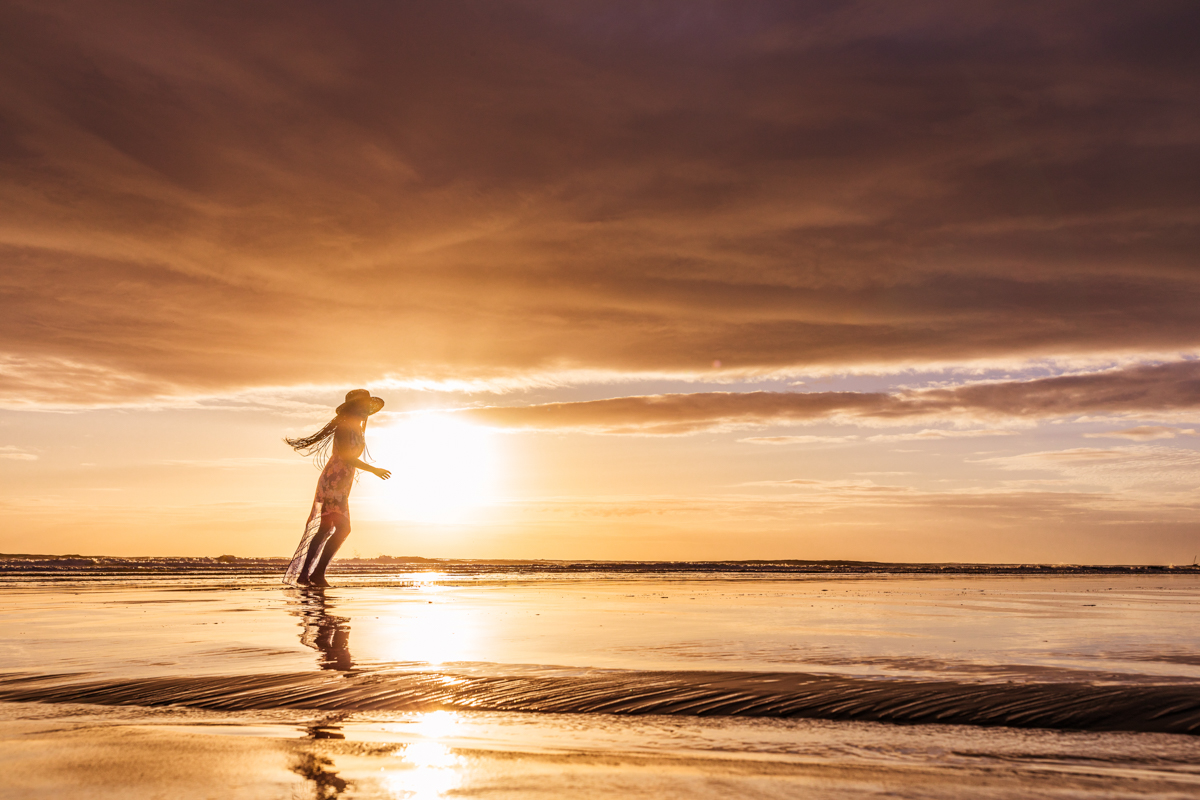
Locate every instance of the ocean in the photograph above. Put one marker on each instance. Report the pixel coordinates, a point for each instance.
(427, 679)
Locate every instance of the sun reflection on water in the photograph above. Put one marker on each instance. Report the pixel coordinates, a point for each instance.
(437, 724)
(434, 632)
(428, 771)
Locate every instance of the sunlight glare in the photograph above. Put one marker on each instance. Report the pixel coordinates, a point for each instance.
(437, 724)
(434, 633)
(430, 772)
(442, 469)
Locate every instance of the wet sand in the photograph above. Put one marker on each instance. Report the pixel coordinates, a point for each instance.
(919, 627)
(675, 685)
(74, 751)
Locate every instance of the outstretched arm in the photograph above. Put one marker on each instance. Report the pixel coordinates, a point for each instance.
(358, 462)
(341, 446)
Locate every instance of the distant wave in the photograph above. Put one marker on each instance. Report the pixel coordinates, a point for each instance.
(92, 567)
(1080, 706)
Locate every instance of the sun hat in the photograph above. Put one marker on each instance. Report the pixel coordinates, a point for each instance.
(361, 397)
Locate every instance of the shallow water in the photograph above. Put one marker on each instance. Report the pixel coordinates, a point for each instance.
(1078, 628)
(694, 684)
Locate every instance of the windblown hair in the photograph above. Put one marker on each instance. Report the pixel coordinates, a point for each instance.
(320, 443)
(316, 444)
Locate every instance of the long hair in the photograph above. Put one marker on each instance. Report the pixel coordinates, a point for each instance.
(316, 444)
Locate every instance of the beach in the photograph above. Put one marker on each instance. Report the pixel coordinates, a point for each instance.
(527, 680)
(758, 399)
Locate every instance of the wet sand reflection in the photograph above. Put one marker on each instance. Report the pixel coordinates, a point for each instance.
(423, 770)
(319, 770)
(326, 633)
(420, 770)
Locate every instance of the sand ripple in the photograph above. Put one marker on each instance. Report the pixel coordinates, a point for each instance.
(1152, 708)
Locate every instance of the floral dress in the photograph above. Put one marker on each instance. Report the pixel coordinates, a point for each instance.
(332, 497)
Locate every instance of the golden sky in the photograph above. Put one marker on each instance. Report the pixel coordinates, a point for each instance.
(864, 280)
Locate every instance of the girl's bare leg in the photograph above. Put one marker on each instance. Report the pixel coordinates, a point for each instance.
(341, 530)
(314, 547)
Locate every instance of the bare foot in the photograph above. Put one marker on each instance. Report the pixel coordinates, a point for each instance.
(302, 581)
(318, 581)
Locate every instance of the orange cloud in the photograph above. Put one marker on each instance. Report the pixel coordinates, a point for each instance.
(1137, 389)
(208, 197)
(1124, 468)
(1143, 433)
(13, 453)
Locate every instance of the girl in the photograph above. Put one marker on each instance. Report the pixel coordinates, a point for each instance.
(329, 521)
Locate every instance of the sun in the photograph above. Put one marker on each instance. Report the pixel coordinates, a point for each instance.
(442, 469)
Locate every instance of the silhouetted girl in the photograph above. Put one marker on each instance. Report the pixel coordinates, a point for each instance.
(329, 521)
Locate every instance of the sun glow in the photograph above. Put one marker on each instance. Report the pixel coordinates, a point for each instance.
(432, 631)
(442, 469)
(428, 772)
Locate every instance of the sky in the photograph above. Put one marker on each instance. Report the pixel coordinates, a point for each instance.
(673, 280)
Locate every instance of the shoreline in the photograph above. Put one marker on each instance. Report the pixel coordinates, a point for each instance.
(28, 564)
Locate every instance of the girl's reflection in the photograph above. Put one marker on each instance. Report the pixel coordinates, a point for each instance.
(327, 634)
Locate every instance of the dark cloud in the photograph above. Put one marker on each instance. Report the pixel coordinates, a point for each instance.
(207, 196)
(1141, 389)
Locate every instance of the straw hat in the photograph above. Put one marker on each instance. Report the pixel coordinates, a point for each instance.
(360, 397)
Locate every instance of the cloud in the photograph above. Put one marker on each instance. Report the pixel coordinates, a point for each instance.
(248, 462)
(14, 453)
(199, 198)
(927, 434)
(863, 499)
(1166, 387)
(935, 433)
(839, 487)
(782, 440)
(1118, 468)
(677, 413)
(1137, 389)
(1143, 433)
